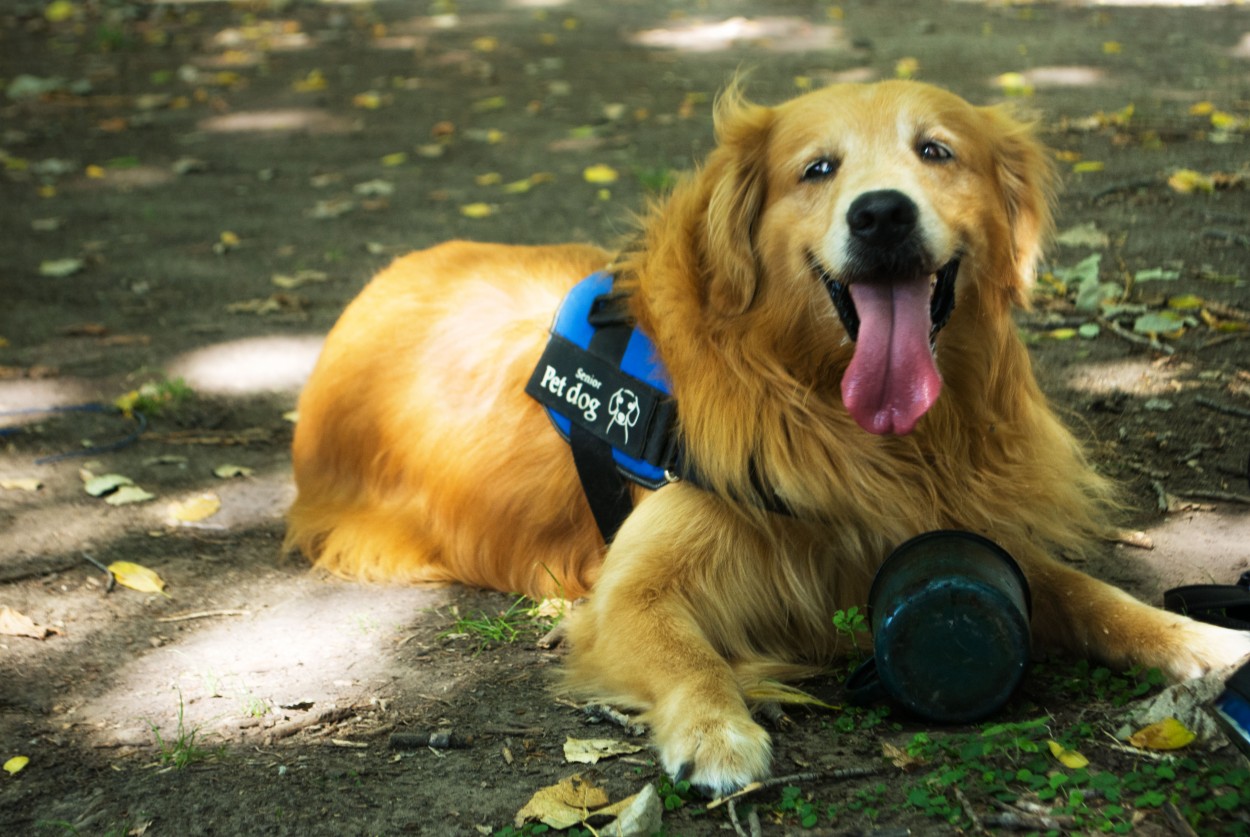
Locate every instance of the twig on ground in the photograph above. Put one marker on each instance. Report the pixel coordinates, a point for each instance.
(1136, 339)
(838, 774)
(330, 716)
(1134, 751)
(1226, 409)
(442, 740)
(969, 811)
(112, 582)
(204, 614)
(602, 712)
(1216, 496)
(1177, 821)
(733, 819)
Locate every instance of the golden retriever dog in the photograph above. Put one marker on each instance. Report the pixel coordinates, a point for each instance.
(795, 288)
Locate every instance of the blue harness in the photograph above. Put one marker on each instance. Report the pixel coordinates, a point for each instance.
(608, 395)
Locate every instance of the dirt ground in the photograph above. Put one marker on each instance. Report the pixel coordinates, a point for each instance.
(194, 190)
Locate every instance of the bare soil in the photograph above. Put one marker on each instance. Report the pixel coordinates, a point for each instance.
(193, 152)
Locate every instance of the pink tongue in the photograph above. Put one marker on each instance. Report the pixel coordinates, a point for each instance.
(892, 380)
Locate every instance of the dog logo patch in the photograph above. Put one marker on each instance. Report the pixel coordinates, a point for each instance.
(623, 411)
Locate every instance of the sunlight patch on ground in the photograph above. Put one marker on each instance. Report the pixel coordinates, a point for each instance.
(22, 395)
(1134, 376)
(1069, 76)
(1207, 547)
(277, 121)
(315, 645)
(777, 34)
(251, 365)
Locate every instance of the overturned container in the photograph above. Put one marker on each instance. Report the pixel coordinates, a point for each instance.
(950, 626)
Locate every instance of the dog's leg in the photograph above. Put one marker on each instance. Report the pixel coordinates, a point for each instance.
(659, 632)
(1090, 618)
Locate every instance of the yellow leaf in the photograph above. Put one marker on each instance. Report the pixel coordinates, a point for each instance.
(1066, 757)
(14, 765)
(486, 43)
(1086, 166)
(1061, 333)
(1184, 302)
(491, 178)
(803, 82)
(1188, 181)
(1014, 84)
(1112, 47)
(137, 577)
(477, 210)
(1202, 108)
(906, 68)
(369, 100)
(95, 172)
(600, 174)
(21, 484)
(196, 508)
(396, 159)
(59, 11)
(226, 472)
(1226, 121)
(488, 104)
(1168, 734)
(229, 239)
(315, 80)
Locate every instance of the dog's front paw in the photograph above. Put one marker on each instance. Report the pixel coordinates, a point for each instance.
(1198, 649)
(716, 753)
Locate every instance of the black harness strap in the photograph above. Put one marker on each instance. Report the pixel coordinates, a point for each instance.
(606, 490)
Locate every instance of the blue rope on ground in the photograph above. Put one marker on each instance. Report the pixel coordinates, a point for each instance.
(141, 424)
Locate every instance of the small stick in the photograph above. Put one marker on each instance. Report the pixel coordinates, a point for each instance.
(112, 582)
(603, 712)
(203, 614)
(977, 826)
(1226, 409)
(840, 773)
(1177, 821)
(1216, 496)
(330, 716)
(1136, 339)
(444, 740)
(733, 818)
(753, 821)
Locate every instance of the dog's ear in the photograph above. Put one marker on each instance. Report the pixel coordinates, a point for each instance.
(737, 189)
(1027, 179)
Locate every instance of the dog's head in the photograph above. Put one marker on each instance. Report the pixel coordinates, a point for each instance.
(895, 205)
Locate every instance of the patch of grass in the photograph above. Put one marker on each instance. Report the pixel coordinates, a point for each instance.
(181, 750)
(656, 179)
(154, 397)
(523, 618)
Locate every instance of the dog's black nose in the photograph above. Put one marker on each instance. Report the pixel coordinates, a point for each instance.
(882, 218)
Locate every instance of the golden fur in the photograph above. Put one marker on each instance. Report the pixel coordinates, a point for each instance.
(419, 457)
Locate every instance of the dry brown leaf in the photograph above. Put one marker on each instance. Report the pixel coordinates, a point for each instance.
(563, 804)
(13, 623)
(195, 509)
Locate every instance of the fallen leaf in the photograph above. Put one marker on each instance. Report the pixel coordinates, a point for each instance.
(1161, 322)
(127, 495)
(1014, 84)
(14, 765)
(900, 758)
(226, 472)
(315, 80)
(477, 210)
(1089, 331)
(1087, 166)
(775, 692)
(13, 623)
(137, 577)
(1168, 734)
(21, 484)
(398, 158)
(1185, 302)
(1061, 333)
(563, 804)
(591, 750)
(1066, 757)
(1156, 274)
(104, 484)
(60, 268)
(906, 68)
(1083, 235)
(195, 509)
(600, 174)
(302, 277)
(1188, 181)
(490, 178)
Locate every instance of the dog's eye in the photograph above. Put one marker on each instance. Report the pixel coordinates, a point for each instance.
(820, 169)
(935, 152)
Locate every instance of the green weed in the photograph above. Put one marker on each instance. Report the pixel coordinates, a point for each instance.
(182, 749)
(522, 619)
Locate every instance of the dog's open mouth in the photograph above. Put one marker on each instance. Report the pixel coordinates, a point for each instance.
(892, 380)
